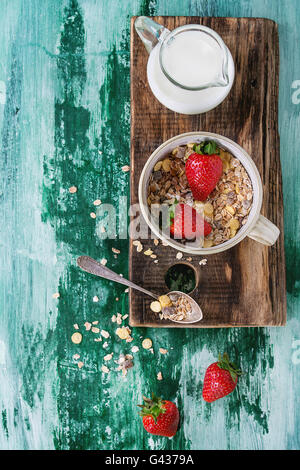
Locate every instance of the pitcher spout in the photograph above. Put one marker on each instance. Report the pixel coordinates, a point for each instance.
(150, 32)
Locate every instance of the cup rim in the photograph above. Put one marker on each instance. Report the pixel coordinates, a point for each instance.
(254, 175)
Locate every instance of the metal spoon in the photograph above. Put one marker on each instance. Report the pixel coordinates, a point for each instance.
(92, 266)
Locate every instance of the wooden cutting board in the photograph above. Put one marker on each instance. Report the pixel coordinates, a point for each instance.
(244, 286)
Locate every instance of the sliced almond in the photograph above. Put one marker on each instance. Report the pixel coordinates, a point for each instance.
(163, 351)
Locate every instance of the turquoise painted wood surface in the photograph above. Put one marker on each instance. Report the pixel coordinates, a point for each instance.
(64, 97)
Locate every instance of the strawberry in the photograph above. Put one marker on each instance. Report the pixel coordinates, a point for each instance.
(220, 379)
(188, 223)
(203, 173)
(160, 417)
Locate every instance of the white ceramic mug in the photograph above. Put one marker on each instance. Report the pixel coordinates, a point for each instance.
(257, 226)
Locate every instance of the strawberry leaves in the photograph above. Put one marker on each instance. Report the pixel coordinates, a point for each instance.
(225, 364)
(152, 407)
(206, 148)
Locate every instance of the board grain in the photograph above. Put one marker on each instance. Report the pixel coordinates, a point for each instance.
(244, 286)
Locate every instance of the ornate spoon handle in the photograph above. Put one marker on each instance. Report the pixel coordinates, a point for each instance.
(92, 266)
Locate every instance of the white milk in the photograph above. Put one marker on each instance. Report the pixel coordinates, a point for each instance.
(192, 59)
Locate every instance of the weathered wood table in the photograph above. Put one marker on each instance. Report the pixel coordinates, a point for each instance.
(65, 136)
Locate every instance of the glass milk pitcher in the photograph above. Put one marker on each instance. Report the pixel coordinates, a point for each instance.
(190, 69)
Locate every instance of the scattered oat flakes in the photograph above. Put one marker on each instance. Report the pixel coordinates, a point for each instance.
(151, 350)
(179, 255)
(99, 151)
(128, 340)
(95, 298)
(159, 376)
(147, 343)
(164, 243)
(163, 351)
(117, 299)
(135, 349)
(56, 295)
(156, 261)
(126, 290)
(105, 334)
(203, 262)
(97, 202)
(108, 357)
(76, 356)
(76, 326)
(76, 338)
(148, 252)
(95, 322)
(102, 229)
(115, 250)
(189, 259)
(125, 316)
(103, 261)
(156, 242)
(105, 369)
(87, 325)
(72, 189)
(153, 256)
(114, 318)
(93, 215)
(105, 345)
(80, 364)
(124, 363)
(98, 339)
(95, 329)
(125, 168)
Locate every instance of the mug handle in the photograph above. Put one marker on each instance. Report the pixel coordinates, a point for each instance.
(264, 231)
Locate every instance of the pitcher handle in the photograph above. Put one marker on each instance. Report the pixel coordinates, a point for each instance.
(150, 32)
(264, 231)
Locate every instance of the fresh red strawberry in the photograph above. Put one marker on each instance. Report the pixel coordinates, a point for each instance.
(160, 417)
(188, 223)
(220, 379)
(203, 173)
